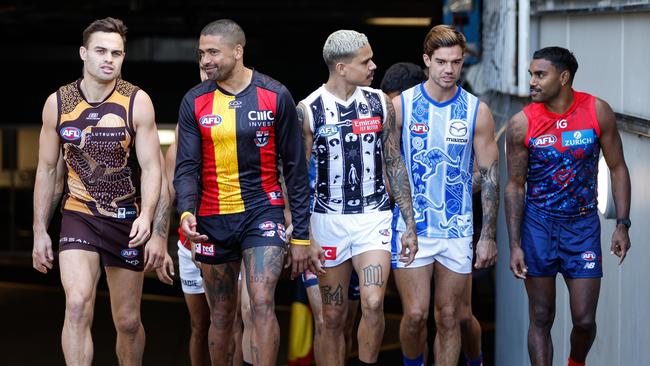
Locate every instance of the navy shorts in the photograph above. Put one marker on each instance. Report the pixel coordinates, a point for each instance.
(570, 246)
(229, 235)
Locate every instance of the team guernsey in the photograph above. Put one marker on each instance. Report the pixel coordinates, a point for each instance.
(103, 174)
(229, 148)
(563, 158)
(347, 151)
(437, 146)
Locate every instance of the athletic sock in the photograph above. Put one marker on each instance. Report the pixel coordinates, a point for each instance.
(475, 362)
(575, 363)
(361, 363)
(418, 361)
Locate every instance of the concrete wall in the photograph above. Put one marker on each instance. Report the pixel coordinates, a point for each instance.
(613, 51)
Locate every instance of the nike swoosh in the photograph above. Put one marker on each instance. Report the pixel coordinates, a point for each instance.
(346, 113)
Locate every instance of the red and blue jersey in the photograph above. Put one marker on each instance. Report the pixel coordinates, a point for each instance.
(563, 153)
(229, 149)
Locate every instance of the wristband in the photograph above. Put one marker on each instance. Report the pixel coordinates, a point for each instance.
(184, 215)
(301, 242)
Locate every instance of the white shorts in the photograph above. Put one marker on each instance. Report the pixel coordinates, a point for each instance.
(345, 236)
(453, 253)
(191, 280)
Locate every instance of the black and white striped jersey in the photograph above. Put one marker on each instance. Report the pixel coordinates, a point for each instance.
(347, 150)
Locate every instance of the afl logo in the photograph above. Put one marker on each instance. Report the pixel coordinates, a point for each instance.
(129, 253)
(419, 128)
(70, 133)
(327, 131)
(458, 128)
(545, 140)
(210, 120)
(589, 256)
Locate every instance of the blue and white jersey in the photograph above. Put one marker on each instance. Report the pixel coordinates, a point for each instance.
(437, 150)
(347, 151)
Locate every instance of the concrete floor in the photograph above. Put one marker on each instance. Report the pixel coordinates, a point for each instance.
(32, 310)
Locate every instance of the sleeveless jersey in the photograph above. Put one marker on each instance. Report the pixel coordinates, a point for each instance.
(347, 151)
(103, 174)
(437, 148)
(563, 152)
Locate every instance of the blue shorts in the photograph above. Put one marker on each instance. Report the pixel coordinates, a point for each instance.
(229, 235)
(354, 292)
(570, 246)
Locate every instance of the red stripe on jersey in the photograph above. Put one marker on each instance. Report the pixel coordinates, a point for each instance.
(203, 105)
(266, 101)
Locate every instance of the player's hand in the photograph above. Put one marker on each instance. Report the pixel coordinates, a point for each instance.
(154, 253)
(166, 271)
(486, 253)
(188, 225)
(140, 231)
(620, 243)
(409, 246)
(517, 264)
(305, 257)
(42, 255)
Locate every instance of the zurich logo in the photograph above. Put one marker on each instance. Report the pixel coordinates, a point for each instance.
(70, 133)
(545, 140)
(210, 120)
(129, 253)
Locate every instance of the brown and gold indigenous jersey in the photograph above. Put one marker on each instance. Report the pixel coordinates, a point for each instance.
(103, 174)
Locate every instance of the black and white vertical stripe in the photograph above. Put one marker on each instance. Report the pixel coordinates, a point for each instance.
(349, 177)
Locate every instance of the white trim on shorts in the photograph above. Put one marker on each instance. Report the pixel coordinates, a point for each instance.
(190, 274)
(345, 236)
(453, 253)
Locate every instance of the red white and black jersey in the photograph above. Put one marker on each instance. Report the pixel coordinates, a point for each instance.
(229, 147)
(347, 150)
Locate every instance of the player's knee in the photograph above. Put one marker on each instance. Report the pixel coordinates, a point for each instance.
(128, 323)
(262, 305)
(415, 319)
(585, 324)
(200, 324)
(372, 304)
(78, 310)
(333, 319)
(447, 317)
(542, 316)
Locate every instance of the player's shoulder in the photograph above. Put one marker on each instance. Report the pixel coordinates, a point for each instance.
(268, 83)
(125, 88)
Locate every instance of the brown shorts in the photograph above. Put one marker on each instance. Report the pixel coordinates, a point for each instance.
(107, 236)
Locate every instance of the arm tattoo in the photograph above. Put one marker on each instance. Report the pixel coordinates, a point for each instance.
(332, 297)
(490, 199)
(395, 168)
(301, 115)
(161, 216)
(517, 171)
(373, 276)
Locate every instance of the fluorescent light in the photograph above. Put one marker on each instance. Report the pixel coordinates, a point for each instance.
(400, 22)
(166, 137)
